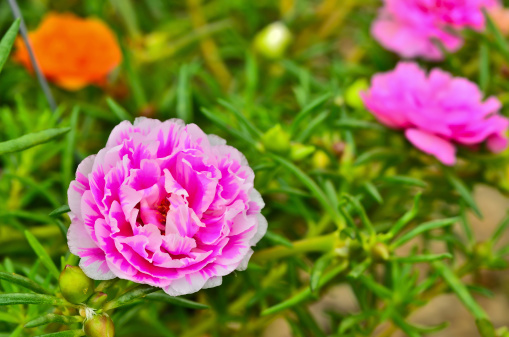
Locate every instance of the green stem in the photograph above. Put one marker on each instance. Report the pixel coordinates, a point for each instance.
(324, 243)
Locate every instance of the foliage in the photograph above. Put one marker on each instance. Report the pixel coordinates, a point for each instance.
(343, 193)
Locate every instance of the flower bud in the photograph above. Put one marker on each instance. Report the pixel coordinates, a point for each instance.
(320, 160)
(299, 151)
(352, 94)
(380, 252)
(99, 326)
(97, 300)
(75, 286)
(276, 140)
(273, 40)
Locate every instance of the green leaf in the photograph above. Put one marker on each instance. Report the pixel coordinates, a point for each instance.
(375, 154)
(118, 110)
(69, 148)
(30, 140)
(310, 184)
(60, 210)
(307, 110)
(407, 217)
(306, 293)
(409, 330)
(422, 258)
(179, 301)
(501, 43)
(349, 123)
(278, 239)
(42, 254)
(403, 180)
(464, 194)
(184, 104)
(375, 287)
(7, 42)
(7, 317)
(307, 132)
(318, 269)
(240, 116)
(25, 298)
(485, 328)
(427, 226)
(67, 333)
(23, 282)
(130, 296)
(373, 192)
(223, 125)
(53, 318)
(460, 289)
(484, 67)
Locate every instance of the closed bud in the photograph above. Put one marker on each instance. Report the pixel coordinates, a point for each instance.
(99, 326)
(276, 140)
(380, 252)
(273, 40)
(299, 151)
(320, 160)
(97, 300)
(76, 287)
(353, 93)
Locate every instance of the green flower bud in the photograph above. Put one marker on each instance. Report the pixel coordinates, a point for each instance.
(276, 140)
(97, 300)
(380, 252)
(352, 94)
(273, 40)
(99, 326)
(299, 151)
(76, 287)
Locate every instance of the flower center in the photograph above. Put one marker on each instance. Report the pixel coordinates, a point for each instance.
(163, 209)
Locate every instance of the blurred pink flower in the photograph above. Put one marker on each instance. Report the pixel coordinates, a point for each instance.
(412, 28)
(166, 205)
(436, 111)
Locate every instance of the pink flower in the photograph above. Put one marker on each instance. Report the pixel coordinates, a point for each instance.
(436, 111)
(166, 205)
(412, 28)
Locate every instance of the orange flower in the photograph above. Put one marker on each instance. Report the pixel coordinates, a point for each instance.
(500, 17)
(72, 52)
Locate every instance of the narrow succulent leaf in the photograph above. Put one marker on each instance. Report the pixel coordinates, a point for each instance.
(179, 301)
(402, 180)
(67, 333)
(303, 135)
(241, 117)
(306, 293)
(7, 42)
(349, 123)
(373, 192)
(318, 269)
(223, 125)
(130, 296)
(278, 239)
(407, 217)
(375, 154)
(42, 254)
(184, 103)
(8, 317)
(23, 282)
(308, 109)
(118, 110)
(423, 228)
(460, 289)
(25, 298)
(484, 67)
(422, 258)
(409, 330)
(53, 318)
(464, 193)
(30, 140)
(60, 210)
(310, 184)
(501, 42)
(485, 328)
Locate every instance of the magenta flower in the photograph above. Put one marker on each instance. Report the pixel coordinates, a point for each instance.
(436, 111)
(412, 28)
(166, 205)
